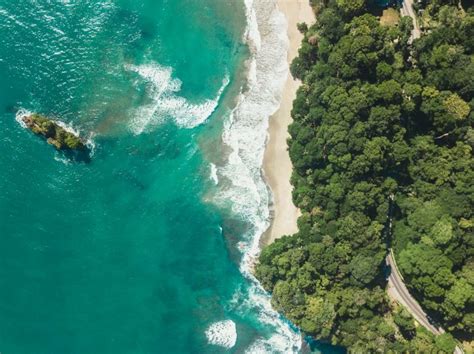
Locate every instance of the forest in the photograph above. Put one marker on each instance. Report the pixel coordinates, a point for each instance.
(382, 149)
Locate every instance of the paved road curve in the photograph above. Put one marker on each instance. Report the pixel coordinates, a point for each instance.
(398, 291)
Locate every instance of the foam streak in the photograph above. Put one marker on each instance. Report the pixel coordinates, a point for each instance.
(245, 132)
(165, 101)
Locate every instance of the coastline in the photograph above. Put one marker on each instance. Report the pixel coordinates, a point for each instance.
(239, 185)
(277, 167)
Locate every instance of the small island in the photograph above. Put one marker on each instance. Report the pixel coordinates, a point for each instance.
(54, 134)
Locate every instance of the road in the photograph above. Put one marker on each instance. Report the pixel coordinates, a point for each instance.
(398, 291)
(407, 10)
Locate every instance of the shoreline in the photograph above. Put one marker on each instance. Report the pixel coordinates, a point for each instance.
(277, 166)
(242, 188)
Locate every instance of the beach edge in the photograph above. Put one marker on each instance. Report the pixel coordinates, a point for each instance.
(277, 166)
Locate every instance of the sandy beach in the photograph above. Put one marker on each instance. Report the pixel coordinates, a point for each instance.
(276, 164)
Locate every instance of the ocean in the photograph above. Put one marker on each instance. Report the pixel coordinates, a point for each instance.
(148, 247)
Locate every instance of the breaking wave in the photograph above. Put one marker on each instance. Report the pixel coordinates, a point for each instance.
(163, 89)
(213, 174)
(245, 133)
(222, 333)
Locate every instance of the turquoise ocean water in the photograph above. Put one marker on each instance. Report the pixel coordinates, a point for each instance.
(144, 249)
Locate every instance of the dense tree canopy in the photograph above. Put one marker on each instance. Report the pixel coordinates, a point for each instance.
(382, 131)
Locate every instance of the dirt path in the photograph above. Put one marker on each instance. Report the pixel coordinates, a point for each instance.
(407, 10)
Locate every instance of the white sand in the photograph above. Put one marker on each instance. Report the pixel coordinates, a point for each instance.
(276, 164)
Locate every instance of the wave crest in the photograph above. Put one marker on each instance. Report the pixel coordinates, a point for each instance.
(165, 103)
(245, 133)
(223, 333)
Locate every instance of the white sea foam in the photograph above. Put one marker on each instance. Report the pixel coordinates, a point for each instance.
(245, 132)
(283, 338)
(223, 333)
(62, 159)
(213, 174)
(166, 102)
(20, 114)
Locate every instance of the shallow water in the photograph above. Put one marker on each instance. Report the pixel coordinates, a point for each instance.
(145, 249)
